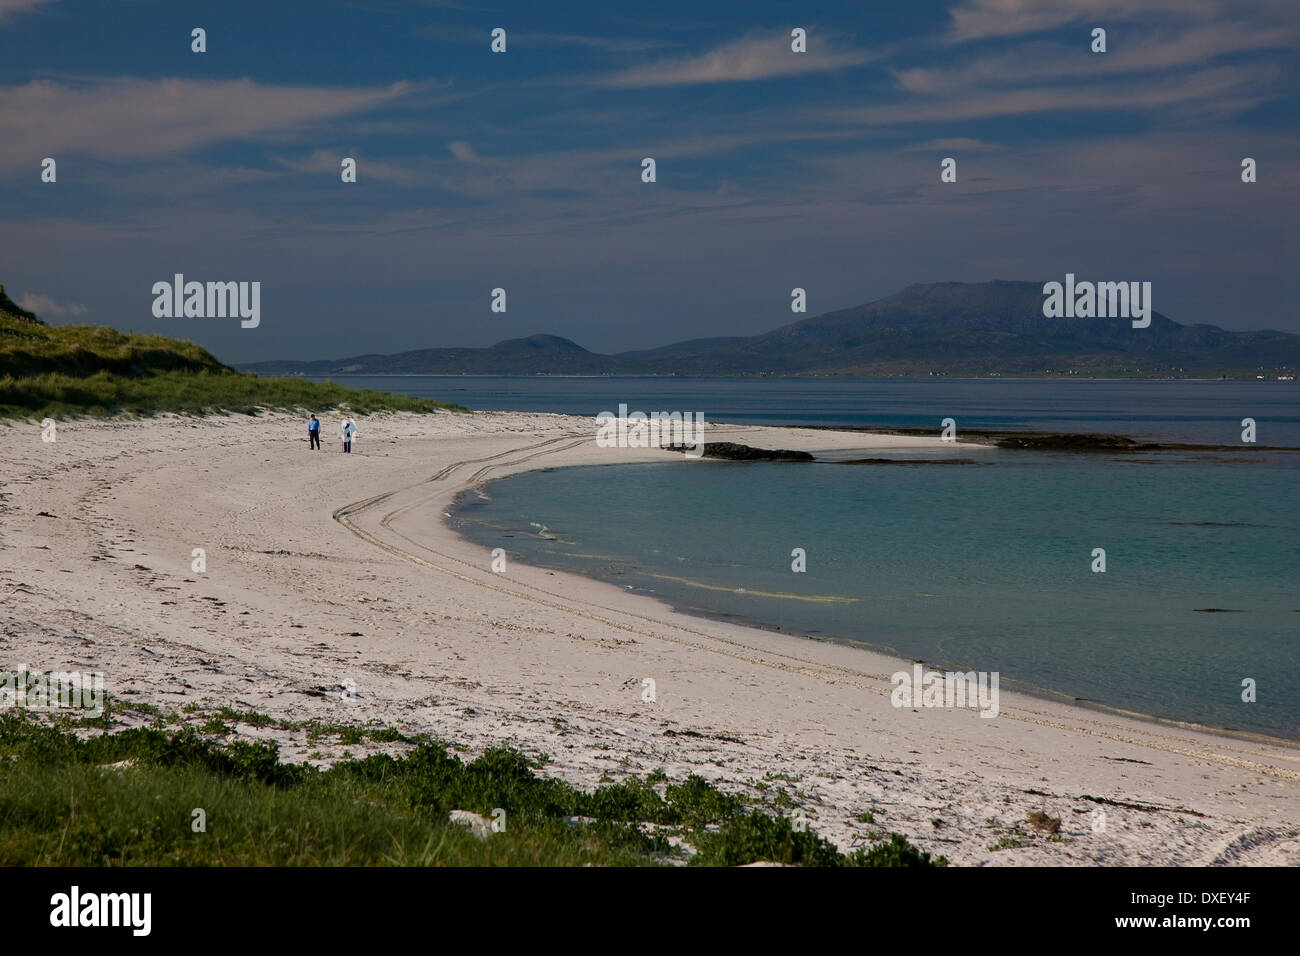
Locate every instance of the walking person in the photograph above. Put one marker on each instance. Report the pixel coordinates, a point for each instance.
(313, 433)
(349, 429)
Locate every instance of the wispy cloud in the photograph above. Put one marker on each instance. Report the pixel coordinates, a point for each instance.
(1139, 51)
(520, 39)
(462, 151)
(953, 143)
(9, 7)
(328, 163)
(753, 57)
(133, 118)
(605, 44)
(985, 19)
(46, 307)
(1221, 91)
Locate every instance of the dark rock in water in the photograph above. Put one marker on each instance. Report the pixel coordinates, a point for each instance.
(731, 451)
(1217, 610)
(1093, 442)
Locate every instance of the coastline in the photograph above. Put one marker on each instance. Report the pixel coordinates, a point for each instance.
(551, 662)
(761, 375)
(900, 659)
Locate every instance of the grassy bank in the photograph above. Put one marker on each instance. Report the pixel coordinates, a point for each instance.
(80, 797)
(189, 393)
(65, 371)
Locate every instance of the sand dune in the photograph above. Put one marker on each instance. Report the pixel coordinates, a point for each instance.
(334, 589)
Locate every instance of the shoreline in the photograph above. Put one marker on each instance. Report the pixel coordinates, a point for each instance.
(294, 603)
(1045, 694)
(759, 375)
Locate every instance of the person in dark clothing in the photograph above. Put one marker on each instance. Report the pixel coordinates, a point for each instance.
(313, 433)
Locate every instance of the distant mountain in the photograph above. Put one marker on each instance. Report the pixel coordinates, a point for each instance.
(943, 328)
(679, 350)
(537, 353)
(540, 343)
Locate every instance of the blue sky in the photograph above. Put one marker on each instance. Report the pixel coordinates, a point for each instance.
(522, 170)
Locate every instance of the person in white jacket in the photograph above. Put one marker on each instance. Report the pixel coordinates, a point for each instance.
(349, 429)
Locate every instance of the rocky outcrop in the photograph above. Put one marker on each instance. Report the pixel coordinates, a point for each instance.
(1084, 442)
(732, 451)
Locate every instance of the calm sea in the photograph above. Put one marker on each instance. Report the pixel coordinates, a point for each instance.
(977, 567)
(1184, 411)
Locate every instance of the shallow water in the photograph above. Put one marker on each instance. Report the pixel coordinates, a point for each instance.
(985, 567)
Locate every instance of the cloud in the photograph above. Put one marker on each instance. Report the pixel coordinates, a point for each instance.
(1220, 91)
(328, 163)
(463, 151)
(754, 57)
(139, 119)
(1140, 51)
(984, 19)
(10, 7)
(46, 307)
(964, 143)
(604, 44)
(522, 38)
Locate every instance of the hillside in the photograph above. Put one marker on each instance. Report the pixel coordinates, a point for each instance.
(527, 356)
(944, 328)
(1000, 326)
(76, 370)
(30, 347)
(9, 307)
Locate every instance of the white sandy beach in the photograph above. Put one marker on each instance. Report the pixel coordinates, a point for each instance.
(328, 571)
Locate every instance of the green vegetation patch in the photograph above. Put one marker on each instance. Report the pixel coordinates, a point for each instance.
(66, 371)
(130, 797)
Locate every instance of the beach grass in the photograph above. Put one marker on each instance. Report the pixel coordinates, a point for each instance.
(104, 394)
(72, 371)
(70, 796)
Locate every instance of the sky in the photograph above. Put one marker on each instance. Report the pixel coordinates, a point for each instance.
(522, 170)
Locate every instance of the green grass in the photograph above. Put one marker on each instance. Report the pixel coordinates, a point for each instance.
(190, 393)
(1009, 843)
(28, 347)
(68, 371)
(61, 804)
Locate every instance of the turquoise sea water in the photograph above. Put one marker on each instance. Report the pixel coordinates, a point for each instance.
(982, 567)
(979, 567)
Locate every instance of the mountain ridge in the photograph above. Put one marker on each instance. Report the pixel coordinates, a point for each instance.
(944, 328)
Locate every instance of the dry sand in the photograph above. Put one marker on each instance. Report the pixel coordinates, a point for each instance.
(334, 590)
